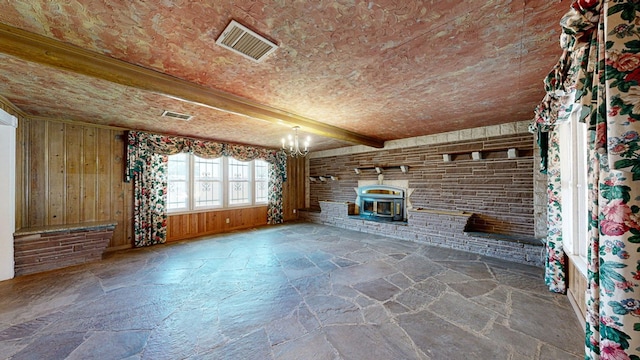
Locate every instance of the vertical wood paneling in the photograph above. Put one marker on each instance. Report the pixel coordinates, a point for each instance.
(89, 176)
(74, 155)
(186, 226)
(294, 188)
(38, 195)
(57, 174)
(104, 190)
(122, 193)
(214, 221)
(202, 222)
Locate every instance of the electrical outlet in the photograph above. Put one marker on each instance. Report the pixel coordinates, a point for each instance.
(227, 221)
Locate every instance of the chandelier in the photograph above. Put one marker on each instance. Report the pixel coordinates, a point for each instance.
(293, 147)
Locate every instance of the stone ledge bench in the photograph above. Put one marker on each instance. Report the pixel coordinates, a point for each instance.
(442, 222)
(444, 228)
(529, 240)
(43, 248)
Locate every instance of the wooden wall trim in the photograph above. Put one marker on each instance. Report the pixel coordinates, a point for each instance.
(41, 49)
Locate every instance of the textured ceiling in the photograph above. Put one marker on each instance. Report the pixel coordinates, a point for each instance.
(383, 69)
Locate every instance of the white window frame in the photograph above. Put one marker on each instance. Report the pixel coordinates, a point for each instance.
(574, 190)
(225, 182)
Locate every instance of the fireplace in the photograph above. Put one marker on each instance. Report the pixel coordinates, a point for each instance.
(382, 202)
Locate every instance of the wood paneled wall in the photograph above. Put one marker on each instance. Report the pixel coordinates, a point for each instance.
(187, 226)
(73, 173)
(294, 188)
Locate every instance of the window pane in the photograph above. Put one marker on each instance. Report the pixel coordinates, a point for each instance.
(177, 195)
(238, 170)
(238, 192)
(262, 193)
(178, 167)
(207, 194)
(238, 182)
(207, 169)
(177, 180)
(262, 170)
(261, 181)
(583, 193)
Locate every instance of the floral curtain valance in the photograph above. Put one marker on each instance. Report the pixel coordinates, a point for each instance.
(568, 85)
(141, 143)
(147, 168)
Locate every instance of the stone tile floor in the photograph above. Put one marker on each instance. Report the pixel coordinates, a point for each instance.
(295, 291)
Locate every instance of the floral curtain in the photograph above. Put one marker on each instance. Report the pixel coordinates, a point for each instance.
(555, 276)
(147, 165)
(602, 78)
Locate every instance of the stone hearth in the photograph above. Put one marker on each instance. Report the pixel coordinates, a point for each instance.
(448, 229)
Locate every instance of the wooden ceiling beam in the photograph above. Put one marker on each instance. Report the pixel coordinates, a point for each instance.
(41, 49)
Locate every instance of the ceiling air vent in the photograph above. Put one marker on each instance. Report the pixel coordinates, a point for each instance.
(176, 115)
(245, 42)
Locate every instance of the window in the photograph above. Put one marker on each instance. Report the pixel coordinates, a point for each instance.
(238, 182)
(573, 172)
(178, 181)
(196, 183)
(261, 181)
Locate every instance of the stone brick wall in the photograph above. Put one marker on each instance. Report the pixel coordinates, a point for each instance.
(540, 199)
(43, 249)
(497, 189)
